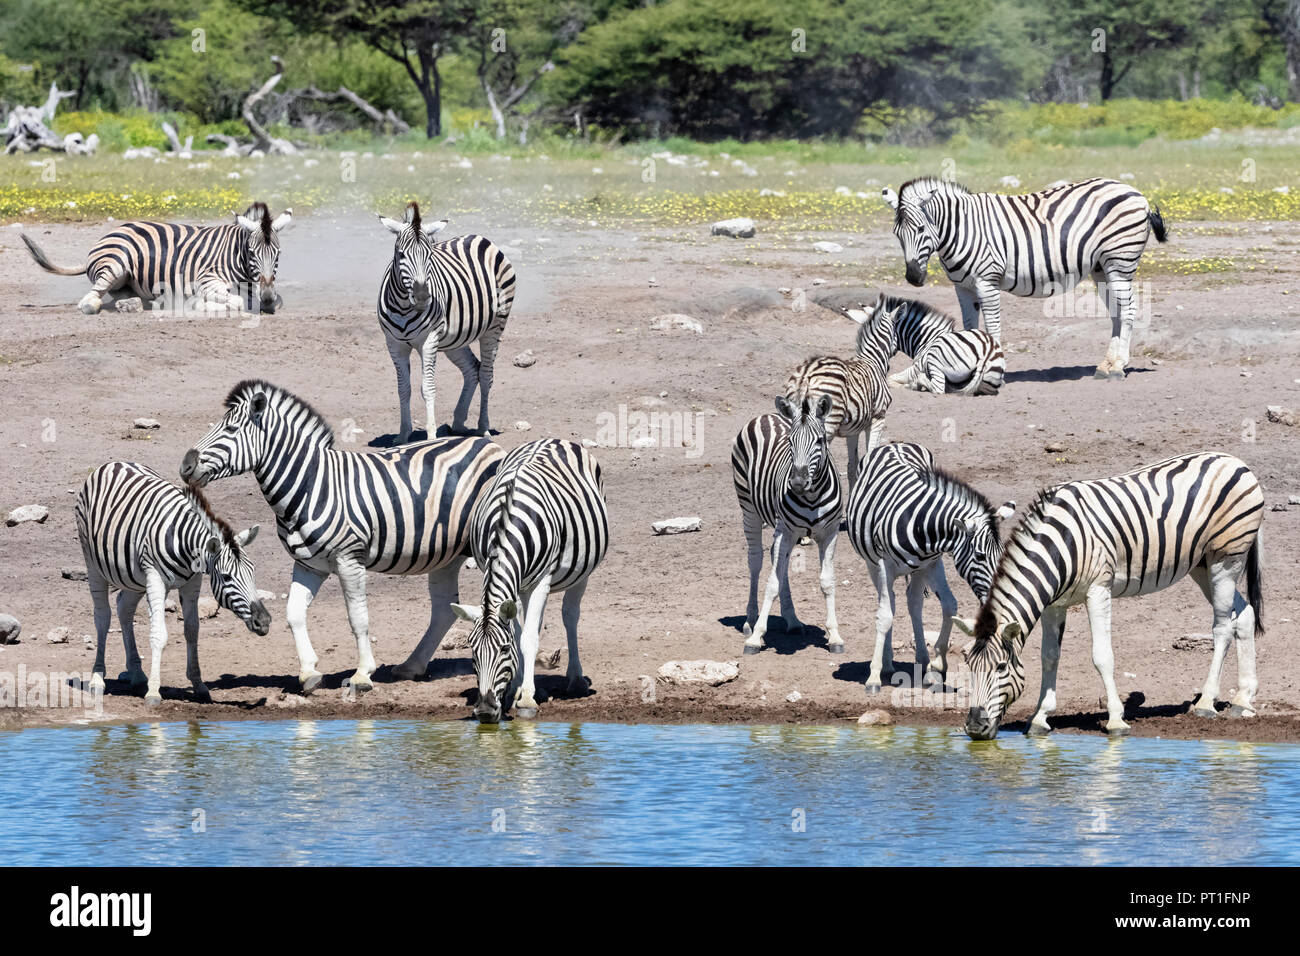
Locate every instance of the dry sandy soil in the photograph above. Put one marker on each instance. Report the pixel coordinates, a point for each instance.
(1221, 347)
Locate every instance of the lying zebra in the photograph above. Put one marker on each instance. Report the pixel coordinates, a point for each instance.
(785, 479)
(904, 514)
(205, 268)
(1093, 541)
(145, 536)
(541, 528)
(944, 359)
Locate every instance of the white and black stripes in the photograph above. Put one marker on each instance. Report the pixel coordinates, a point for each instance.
(439, 297)
(144, 536)
(1039, 244)
(944, 359)
(212, 268)
(405, 511)
(541, 528)
(1136, 533)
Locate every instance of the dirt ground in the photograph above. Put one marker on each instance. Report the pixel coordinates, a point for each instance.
(1220, 348)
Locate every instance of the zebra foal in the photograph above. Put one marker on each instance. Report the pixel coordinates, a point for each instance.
(144, 536)
(405, 511)
(229, 268)
(439, 297)
(904, 514)
(542, 527)
(1038, 244)
(1088, 542)
(785, 480)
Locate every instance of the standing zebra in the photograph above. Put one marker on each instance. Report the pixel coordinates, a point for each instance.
(541, 528)
(1091, 541)
(405, 511)
(208, 268)
(903, 515)
(785, 479)
(944, 359)
(856, 387)
(1039, 244)
(439, 297)
(145, 536)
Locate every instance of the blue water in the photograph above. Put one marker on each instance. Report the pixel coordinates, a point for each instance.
(377, 792)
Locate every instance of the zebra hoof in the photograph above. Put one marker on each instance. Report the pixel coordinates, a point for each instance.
(402, 672)
(153, 700)
(97, 683)
(1205, 713)
(837, 648)
(310, 680)
(1102, 372)
(1121, 730)
(1116, 375)
(1039, 730)
(526, 713)
(1237, 712)
(202, 695)
(753, 648)
(873, 688)
(360, 685)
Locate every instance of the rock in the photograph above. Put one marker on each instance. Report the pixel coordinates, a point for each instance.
(146, 423)
(1293, 500)
(876, 718)
(1279, 507)
(522, 426)
(711, 673)
(1011, 182)
(1194, 642)
(10, 628)
(1054, 446)
(662, 323)
(525, 359)
(208, 607)
(676, 525)
(58, 635)
(289, 700)
(36, 513)
(735, 228)
(831, 247)
(793, 697)
(73, 574)
(1276, 413)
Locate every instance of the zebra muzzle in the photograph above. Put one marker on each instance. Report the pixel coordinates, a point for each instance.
(189, 465)
(979, 726)
(488, 710)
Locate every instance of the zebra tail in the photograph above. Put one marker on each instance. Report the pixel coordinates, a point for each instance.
(1158, 224)
(44, 262)
(1255, 585)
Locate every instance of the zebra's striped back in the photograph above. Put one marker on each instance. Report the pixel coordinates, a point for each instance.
(763, 458)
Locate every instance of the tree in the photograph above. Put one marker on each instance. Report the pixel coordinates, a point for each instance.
(1282, 17)
(1121, 32)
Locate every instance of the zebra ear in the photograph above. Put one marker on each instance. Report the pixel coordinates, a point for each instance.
(857, 315)
(433, 227)
(214, 545)
(392, 225)
(256, 408)
(821, 406)
(250, 224)
(1007, 510)
(890, 197)
(785, 408)
(467, 612)
(1010, 632)
(245, 538)
(965, 625)
(508, 610)
(282, 220)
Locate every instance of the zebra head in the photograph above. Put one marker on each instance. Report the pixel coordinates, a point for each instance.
(978, 547)
(496, 655)
(262, 253)
(997, 674)
(230, 572)
(412, 264)
(914, 225)
(808, 453)
(235, 444)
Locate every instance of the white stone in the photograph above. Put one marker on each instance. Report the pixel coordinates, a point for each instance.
(522, 426)
(208, 607)
(793, 697)
(10, 628)
(711, 673)
(675, 320)
(676, 525)
(36, 513)
(831, 247)
(876, 718)
(525, 359)
(146, 423)
(735, 228)
(58, 635)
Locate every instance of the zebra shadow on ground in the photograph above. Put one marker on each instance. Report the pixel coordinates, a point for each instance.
(902, 674)
(420, 434)
(1061, 373)
(777, 638)
(1135, 708)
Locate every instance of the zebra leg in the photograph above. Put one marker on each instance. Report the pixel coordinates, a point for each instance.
(428, 386)
(851, 441)
(526, 696)
(1116, 296)
(991, 305)
(970, 310)
(754, 627)
(1243, 703)
(352, 578)
(302, 591)
(127, 602)
(884, 624)
(1053, 632)
(189, 595)
(934, 379)
(111, 278)
(874, 436)
(569, 611)
(916, 611)
(401, 355)
(1219, 584)
(463, 358)
(444, 590)
(781, 551)
(156, 596)
(938, 673)
(487, 347)
(103, 617)
(1103, 656)
(826, 550)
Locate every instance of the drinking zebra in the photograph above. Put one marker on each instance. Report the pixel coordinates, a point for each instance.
(217, 269)
(944, 359)
(1039, 244)
(405, 511)
(856, 387)
(541, 528)
(144, 536)
(785, 479)
(904, 514)
(439, 297)
(1091, 541)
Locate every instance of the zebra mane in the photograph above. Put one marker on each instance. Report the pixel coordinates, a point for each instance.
(260, 213)
(909, 306)
(413, 215)
(503, 520)
(941, 480)
(986, 623)
(250, 385)
(213, 520)
(931, 185)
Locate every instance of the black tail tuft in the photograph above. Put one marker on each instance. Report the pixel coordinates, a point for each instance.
(1158, 224)
(1255, 585)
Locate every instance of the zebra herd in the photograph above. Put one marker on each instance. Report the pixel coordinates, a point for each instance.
(535, 520)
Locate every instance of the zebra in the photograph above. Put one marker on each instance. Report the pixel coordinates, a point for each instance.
(439, 297)
(403, 511)
(208, 268)
(785, 479)
(1092, 541)
(904, 513)
(542, 527)
(856, 387)
(1038, 244)
(944, 359)
(143, 535)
